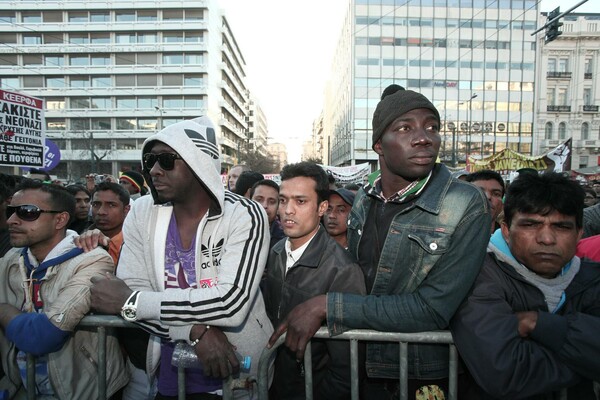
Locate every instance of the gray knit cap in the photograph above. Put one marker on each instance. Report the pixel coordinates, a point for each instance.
(395, 102)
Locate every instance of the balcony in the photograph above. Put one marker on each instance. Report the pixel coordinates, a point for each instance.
(590, 108)
(587, 75)
(558, 75)
(587, 144)
(558, 108)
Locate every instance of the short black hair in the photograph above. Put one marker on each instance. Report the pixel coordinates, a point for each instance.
(60, 198)
(264, 182)
(543, 194)
(74, 189)
(246, 180)
(308, 170)
(40, 172)
(486, 175)
(116, 189)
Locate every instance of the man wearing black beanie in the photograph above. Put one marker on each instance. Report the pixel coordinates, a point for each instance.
(420, 238)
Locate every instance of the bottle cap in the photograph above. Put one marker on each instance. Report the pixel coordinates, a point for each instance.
(246, 363)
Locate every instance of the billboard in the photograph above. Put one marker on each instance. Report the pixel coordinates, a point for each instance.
(22, 130)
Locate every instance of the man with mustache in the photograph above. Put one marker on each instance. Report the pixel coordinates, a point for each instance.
(110, 205)
(335, 218)
(308, 263)
(419, 237)
(530, 325)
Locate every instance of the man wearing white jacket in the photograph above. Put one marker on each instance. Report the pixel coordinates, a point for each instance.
(191, 262)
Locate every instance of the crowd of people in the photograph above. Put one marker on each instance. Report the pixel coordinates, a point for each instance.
(511, 270)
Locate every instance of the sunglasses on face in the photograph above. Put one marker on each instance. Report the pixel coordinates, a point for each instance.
(165, 160)
(27, 212)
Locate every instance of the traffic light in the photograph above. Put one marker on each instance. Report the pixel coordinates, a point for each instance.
(552, 30)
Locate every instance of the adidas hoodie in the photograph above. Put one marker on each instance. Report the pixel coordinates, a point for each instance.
(232, 244)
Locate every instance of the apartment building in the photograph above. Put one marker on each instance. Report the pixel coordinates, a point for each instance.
(474, 59)
(113, 73)
(568, 87)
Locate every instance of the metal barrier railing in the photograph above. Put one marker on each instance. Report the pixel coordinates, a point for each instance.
(106, 322)
(354, 336)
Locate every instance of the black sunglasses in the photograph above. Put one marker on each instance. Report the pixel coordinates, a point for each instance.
(27, 212)
(165, 160)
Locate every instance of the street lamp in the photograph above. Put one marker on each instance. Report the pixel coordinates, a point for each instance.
(469, 115)
(452, 127)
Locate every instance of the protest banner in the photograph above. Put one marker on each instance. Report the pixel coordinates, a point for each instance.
(22, 130)
(507, 161)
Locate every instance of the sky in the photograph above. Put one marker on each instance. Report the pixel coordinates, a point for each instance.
(288, 47)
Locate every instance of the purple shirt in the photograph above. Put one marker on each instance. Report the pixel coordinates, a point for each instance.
(180, 272)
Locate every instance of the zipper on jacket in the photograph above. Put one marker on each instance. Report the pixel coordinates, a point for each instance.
(87, 355)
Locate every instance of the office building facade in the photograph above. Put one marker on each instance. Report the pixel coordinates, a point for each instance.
(474, 59)
(113, 73)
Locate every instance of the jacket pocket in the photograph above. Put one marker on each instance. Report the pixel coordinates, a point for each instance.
(426, 248)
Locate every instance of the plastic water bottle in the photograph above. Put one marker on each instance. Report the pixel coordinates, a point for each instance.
(245, 362)
(185, 356)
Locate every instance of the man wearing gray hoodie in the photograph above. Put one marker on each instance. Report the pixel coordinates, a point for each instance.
(191, 262)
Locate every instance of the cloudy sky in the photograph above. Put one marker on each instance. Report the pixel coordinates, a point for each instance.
(288, 48)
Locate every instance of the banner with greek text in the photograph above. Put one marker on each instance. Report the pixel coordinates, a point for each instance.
(507, 161)
(349, 174)
(22, 130)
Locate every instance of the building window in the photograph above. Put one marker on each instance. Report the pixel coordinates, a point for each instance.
(33, 81)
(563, 65)
(99, 38)
(7, 82)
(99, 16)
(56, 125)
(7, 17)
(126, 102)
(80, 124)
(101, 124)
(79, 60)
(7, 38)
(126, 124)
(552, 65)
(548, 130)
(78, 82)
(125, 16)
(52, 16)
(8, 59)
(587, 96)
(100, 59)
(562, 131)
(55, 104)
(146, 15)
(562, 96)
(31, 17)
(101, 81)
(54, 61)
(101, 103)
(32, 39)
(78, 17)
(32, 59)
(585, 131)
(57, 82)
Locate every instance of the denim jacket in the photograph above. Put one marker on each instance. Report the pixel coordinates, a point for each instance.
(431, 256)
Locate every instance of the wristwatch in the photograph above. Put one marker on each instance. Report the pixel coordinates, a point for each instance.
(129, 309)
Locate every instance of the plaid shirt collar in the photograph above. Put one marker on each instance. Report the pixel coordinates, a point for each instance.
(411, 191)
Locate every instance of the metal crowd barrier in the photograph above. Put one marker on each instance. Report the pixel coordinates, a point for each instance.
(106, 322)
(356, 335)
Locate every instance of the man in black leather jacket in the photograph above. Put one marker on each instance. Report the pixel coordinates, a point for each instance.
(308, 263)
